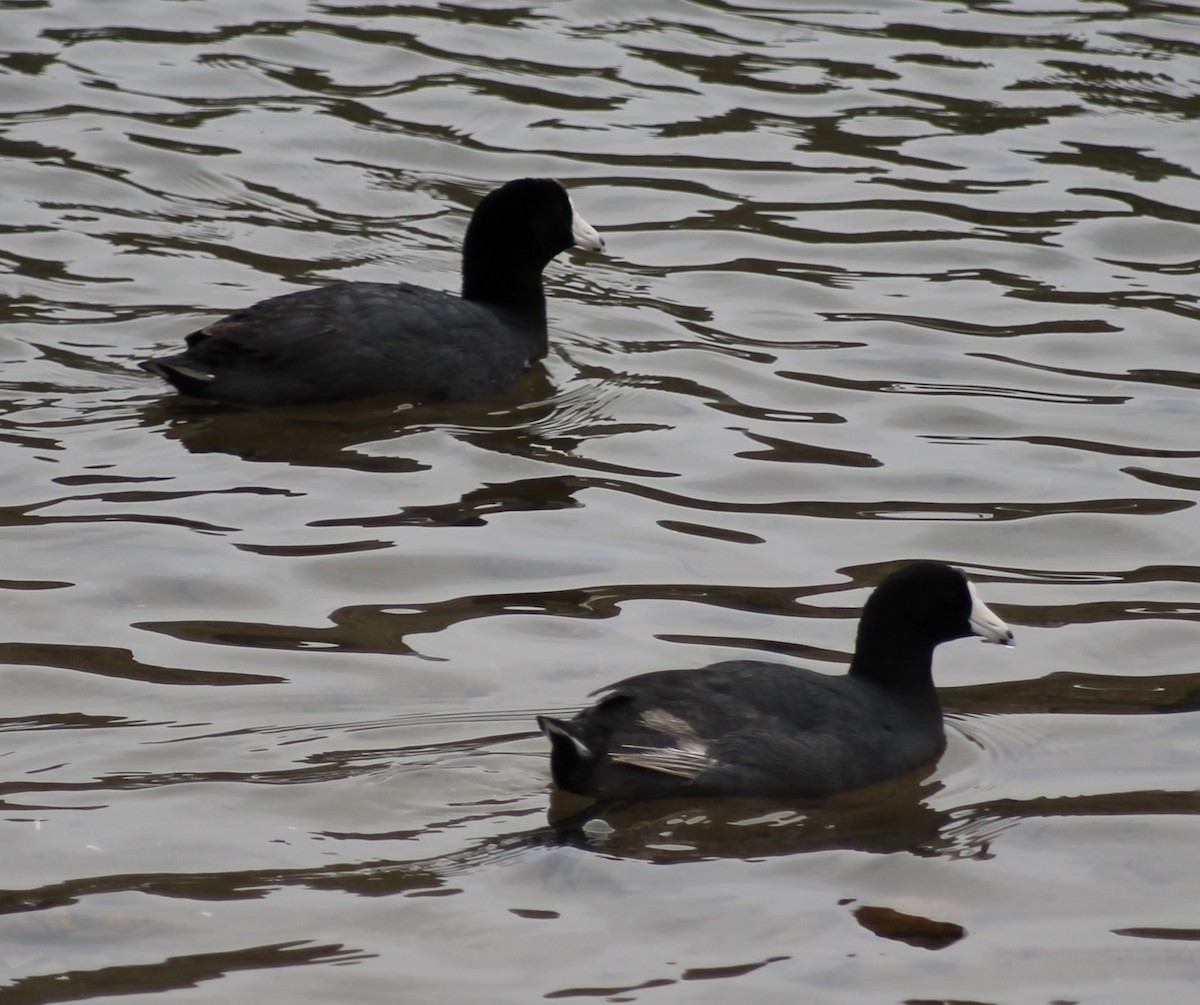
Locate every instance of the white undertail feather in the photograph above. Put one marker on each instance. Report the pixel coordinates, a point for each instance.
(581, 748)
(205, 376)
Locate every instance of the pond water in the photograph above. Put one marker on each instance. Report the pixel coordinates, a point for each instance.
(908, 279)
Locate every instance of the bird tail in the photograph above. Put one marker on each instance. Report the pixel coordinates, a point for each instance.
(570, 755)
(564, 739)
(182, 372)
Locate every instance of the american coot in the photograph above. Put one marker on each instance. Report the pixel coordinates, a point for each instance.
(352, 340)
(747, 727)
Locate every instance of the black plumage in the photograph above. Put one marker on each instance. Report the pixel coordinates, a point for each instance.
(748, 727)
(354, 340)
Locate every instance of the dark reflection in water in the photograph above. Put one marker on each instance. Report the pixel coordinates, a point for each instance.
(526, 421)
(327, 436)
(561, 492)
(882, 820)
(781, 382)
(885, 819)
(1081, 694)
(385, 628)
(888, 819)
(105, 661)
(369, 879)
(174, 974)
(300, 436)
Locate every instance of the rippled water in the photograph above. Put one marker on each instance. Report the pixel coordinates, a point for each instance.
(884, 282)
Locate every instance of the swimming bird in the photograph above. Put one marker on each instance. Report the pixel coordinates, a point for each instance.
(353, 340)
(749, 727)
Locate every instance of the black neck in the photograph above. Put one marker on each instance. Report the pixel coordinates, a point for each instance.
(893, 662)
(515, 286)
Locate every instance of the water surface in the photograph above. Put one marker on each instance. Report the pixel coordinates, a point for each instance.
(884, 282)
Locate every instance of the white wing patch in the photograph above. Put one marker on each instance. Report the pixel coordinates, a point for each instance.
(668, 760)
(686, 759)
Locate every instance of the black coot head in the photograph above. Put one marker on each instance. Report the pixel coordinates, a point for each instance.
(930, 603)
(531, 218)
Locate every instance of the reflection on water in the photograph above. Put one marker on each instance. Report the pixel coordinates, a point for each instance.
(883, 283)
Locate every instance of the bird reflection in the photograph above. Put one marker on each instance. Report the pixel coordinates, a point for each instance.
(890, 817)
(358, 435)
